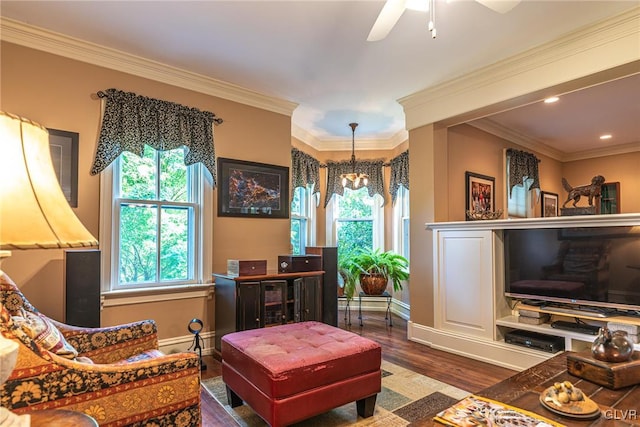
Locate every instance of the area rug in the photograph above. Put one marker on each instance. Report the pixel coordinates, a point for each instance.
(406, 398)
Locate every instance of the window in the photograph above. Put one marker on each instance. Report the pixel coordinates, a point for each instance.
(156, 221)
(303, 219)
(519, 203)
(356, 221)
(401, 222)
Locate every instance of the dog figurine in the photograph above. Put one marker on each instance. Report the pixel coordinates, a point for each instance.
(590, 191)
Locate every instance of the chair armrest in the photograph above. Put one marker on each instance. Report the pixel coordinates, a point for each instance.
(100, 389)
(111, 344)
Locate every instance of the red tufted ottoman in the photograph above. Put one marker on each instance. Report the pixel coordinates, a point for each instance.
(292, 372)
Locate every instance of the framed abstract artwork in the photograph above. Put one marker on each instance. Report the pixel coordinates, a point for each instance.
(252, 190)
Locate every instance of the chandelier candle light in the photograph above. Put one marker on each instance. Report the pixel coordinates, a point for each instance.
(354, 177)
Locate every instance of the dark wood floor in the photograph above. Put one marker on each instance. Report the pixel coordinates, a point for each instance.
(467, 374)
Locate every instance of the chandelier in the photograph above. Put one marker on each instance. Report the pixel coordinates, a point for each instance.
(354, 177)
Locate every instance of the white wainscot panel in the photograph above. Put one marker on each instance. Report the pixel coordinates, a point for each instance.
(465, 283)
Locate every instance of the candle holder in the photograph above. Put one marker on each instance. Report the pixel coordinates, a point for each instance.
(195, 326)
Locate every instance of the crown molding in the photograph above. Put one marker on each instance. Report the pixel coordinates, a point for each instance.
(632, 147)
(40, 39)
(593, 48)
(338, 144)
(494, 128)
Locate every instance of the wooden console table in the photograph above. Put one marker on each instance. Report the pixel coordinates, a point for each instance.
(249, 302)
(618, 407)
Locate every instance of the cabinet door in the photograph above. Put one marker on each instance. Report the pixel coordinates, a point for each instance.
(307, 299)
(248, 308)
(464, 282)
(274, 293)
(314, 305)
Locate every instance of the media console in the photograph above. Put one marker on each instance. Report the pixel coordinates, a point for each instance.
(475, 325)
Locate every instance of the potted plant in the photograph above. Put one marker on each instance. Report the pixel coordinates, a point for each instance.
(349, 280)
(373, 269)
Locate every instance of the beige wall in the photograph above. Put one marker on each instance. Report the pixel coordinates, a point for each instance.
(477, 151)
(60, 93)
(427, 169)
(474, 150)
(622, 168)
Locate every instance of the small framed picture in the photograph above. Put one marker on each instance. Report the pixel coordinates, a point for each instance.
(480, 191)
(64, 156)
(549, 205)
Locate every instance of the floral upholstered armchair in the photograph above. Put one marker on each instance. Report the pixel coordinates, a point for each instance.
(117, 374)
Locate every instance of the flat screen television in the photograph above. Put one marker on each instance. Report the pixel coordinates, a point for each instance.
(594, 267)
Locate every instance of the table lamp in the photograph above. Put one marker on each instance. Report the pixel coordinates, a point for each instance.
(34, 213)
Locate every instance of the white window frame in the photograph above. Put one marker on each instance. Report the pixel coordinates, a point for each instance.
(401, 223)
(332, 217)
(202, 186)
(309, 213)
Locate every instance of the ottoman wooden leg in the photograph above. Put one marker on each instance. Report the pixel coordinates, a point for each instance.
(233, 399)
(366, 406)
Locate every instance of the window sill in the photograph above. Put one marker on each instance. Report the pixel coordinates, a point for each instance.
(146, 295)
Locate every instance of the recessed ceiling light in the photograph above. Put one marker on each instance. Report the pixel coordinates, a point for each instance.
(606, 136)
(551, 100)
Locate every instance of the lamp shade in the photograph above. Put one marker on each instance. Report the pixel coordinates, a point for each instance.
(34, 212)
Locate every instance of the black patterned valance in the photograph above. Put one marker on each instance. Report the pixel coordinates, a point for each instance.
(521, 165)
(399, 174)
(130, 121)
(373, 168)
(305, 170)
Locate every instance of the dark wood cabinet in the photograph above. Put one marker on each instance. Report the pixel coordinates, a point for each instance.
(250, 302)
(329, 282)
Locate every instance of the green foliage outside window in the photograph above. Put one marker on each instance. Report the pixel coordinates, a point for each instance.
(353, 235)
(355, 222)
(156, 241)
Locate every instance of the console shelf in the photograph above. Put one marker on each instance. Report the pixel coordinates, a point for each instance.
(574, 341)
(627, 320)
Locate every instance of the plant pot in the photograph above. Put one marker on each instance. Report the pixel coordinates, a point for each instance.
(373, 284)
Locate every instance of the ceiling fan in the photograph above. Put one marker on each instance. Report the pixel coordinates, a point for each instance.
(393, 9)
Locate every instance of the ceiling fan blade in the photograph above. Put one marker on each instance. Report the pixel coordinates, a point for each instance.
(389, 15)
(500, 6)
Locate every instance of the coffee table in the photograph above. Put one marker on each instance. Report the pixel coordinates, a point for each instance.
(618, 407)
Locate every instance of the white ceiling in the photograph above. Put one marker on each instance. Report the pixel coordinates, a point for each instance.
(315, 54)
(575, 122)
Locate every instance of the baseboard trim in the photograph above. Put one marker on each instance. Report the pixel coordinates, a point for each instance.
(494, 352)
(182, 344)
(377, 304)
